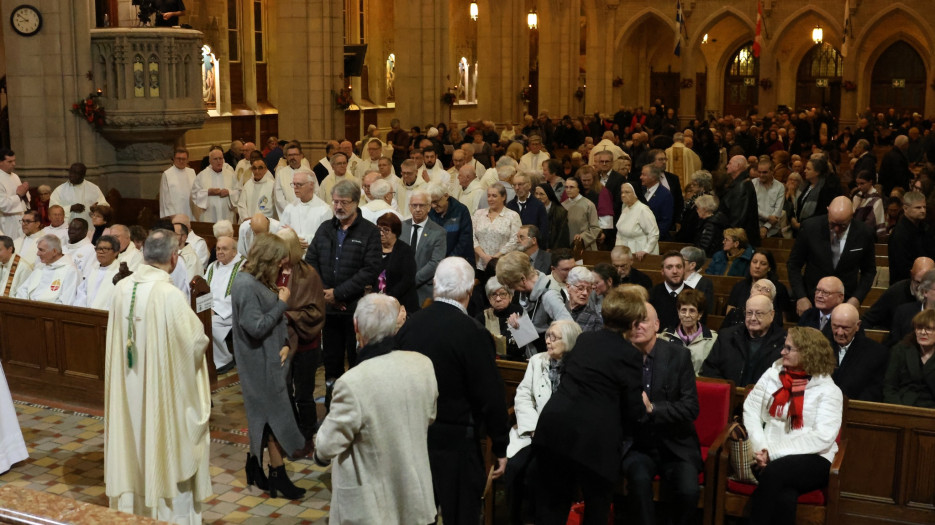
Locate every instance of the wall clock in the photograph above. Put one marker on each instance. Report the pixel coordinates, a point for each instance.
(26, 20)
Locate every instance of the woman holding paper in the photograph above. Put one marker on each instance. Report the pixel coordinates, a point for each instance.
(515, 271)
(495, 319)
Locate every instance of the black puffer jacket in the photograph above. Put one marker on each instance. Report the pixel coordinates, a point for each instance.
(358, 265)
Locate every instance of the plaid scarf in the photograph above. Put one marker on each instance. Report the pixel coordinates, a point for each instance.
(793, 389)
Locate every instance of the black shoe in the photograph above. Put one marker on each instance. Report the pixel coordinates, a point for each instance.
(226, 368)
(279, 482)
(329, 389)
(255, 474)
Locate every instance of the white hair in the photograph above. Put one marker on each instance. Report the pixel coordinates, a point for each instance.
(53, 242)
(436, 190)
(379, 188)
(454, 279)
(579, 274)
(223, 228)
(376, 317)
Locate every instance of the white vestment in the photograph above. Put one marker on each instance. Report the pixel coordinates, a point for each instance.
(366, 165)
(175, 192)
(11, 205)
(324, 191)
(51, 283)
(437, 173)
(200, 246)
(157, 402)
(23, 269)
(87, 194)
(474, 196)
(132, 256)
(243, 171)
(180, 279)
(97, 287)
(403, 193)
(245, 235)
(257, 197)
(283, 192)
(60, 231)
(12, 447)
(532, 162)
(306, 217)
(27, 246)
(214, 207)
(373, 210)
(221, 278)
(190, 261)
(80, 252)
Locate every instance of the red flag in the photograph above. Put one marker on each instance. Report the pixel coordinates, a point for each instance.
(758, 39)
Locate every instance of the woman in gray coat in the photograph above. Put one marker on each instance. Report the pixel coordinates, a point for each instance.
(261, 345)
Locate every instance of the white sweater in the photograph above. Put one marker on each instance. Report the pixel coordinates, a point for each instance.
(823, 408)
(532, 393)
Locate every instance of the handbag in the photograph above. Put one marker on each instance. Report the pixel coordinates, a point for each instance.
(740, 453)
(576, 515)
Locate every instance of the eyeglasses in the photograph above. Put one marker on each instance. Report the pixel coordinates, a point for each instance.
(24, 221)
(552, 338)
(581, 287)
(925, 329)
(826, 293)
(257, 167)
(299, 184)
(759, 316)
(101, 249)
(385, 231)
(342, 202)
(500, 294)
(416, 205)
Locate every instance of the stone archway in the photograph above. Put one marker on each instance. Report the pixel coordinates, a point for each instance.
(818, 80)
(741, 82)
(898, 80)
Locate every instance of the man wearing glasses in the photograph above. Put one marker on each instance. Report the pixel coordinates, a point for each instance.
(175, 190)
(828, 294)
(257, 193)
(742, 353)
(97, 283)
(307, 212)
(27, 245)
(339, 165)
(283, 194)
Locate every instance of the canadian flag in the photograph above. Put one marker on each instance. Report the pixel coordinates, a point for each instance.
(758, 39)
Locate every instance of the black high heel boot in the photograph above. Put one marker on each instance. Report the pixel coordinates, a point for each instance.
(255, 474)
(279, 482)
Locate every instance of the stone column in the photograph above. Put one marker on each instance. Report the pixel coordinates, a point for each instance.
(602, 32)
(421, 61)
(559, 37)
(503, 66)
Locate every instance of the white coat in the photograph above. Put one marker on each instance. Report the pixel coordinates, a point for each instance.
(532, 393)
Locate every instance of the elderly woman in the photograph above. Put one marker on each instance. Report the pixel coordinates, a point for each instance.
(709, 227)
(495, 319)
(580, 282)
(580, 430)
(905, 313)
(762, 266)
(909, 377)
(495, 228)
(583, 225)
(793, 416)
(790, 208)
(102, 217)
(397, 278)
(604, 277)
(701, 183)
(515, 271)
(261, 348)
(542, 378)
(558, 217)
(690, 333)
(735, 257)
(636, 228)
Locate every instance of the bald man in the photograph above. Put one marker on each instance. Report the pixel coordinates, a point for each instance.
(742, 353)
(861, 360)
(828, 294)
(835, 245)
(220, 277)
(880, 315)
(251, 227)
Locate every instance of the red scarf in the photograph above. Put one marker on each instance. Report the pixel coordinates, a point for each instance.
(793, 388)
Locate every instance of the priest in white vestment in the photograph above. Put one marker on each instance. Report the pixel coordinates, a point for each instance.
(341, 172)
(681, 160)
(157, 396)
(195, 240)
(408, 182)
(282, 192)
(380, 203)
(352, 159)
(97, 285)
(371, 162)
(79, 246)
(433, 168)
(254, 226)
(175, 190)
(187, 256)
(12, 446)
(257, 193)
(473, 194)
(532, 161)
(308, 211)
(57, 226)
(14, 196)
(214, 192)
(13, 269)
(220, 278)
(77, 195)
(27, 245)
(128, 251)
(55, 278)
(242, 169)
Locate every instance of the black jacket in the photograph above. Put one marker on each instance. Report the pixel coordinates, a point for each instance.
(358, 265)
(637, 277)
(534, 212)
(730, 354)
(894, 171)
(812, 319)
(856, 268)
(908, 242)
(738, 202)
(400, 266)
(880, 315)
(665, 306)
(860, 374)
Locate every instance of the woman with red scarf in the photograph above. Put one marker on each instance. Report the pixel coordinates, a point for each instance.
(793, 416)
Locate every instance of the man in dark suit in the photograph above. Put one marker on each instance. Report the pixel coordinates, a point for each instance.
(866, 160)
(527, 238)
(738, 200)
(455, 218)
(828, 294)
(894, 168)
(530, 209)
(604, 162)
(742, 353)
(470, 392)
(880, 315)
(622, 259)
(861, 361)
(663, 295)
(665, 442)
(658, 198)
(833, 244)
(427, 240)
(672, 183)
(912, 238)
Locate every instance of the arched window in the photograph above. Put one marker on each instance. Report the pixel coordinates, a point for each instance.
(467, 82)
(898, 80)
(741, 91)
(743, 64)
(818, 82)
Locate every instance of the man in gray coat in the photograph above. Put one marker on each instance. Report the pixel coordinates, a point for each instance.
(427, 239)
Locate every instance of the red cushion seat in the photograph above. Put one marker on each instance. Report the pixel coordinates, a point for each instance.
(815, 497)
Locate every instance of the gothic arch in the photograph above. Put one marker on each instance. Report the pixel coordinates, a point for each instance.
(832, 27)
(879, 18)
(716, 17)
(638, 19)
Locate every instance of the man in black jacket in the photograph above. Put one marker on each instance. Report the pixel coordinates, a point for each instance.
(880, 315)
(347, 254)
(866, 160)
(912, 237)
(743, 352)
(828, 295)
(663, 295)
(861, 360)
(529, 208)
(738, 200)
(894, 168)
(622, 259)
(470, 392)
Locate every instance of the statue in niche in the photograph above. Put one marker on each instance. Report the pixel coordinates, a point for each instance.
(209, 68)
(391, 77)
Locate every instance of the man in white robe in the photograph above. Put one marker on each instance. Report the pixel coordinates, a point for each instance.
(195, 240)
(220, 278)
(353, 160)
(282, 191)
(308, 211)
(681, 160)
(79, 246)
(14, 196)
(409, 181)
(128, 252)
(187, 255)
(532, 161)
(341, 172)
(157, 396)
(14, 270)
(214, 192)
(454, 187)
(372, 160)
(252, 227)
(77, 195)
(433, 168)
(55, 279)
(257, 193)
(28, 244)
(57, 226)
(473, 193)
(380, 203)
(97, 285)
(242, 169)
(175, 190)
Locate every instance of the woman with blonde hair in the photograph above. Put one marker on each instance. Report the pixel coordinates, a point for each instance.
(515, 272)
(261, 347)
(734, 259)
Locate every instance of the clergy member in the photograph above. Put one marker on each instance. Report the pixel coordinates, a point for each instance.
(79, 246)
(55, 279)
(128, 252)
(408, 182)
(339, 165)
(382, 198)
(199, 244)
(213, 191)
(257, 193)
(252, 227)
(282, 192)
(27, 245)
(156, 403)
(175, 191)
(308, 211)
(242, 169)
(77, 195)
(97, 285)
(14, 195)
(13, 269)
(220, 277)
(187, 255)
(57, 226)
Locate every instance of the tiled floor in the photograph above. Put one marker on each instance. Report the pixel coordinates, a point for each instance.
(66, 457)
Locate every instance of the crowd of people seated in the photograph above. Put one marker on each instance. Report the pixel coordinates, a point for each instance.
(521, 208)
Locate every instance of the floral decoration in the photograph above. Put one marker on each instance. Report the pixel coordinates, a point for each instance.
(91, 110)
(343, 98)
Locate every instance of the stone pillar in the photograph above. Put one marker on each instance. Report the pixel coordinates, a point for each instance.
(601, 35)
(503, 66)
(559, 37)
(421, 61)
